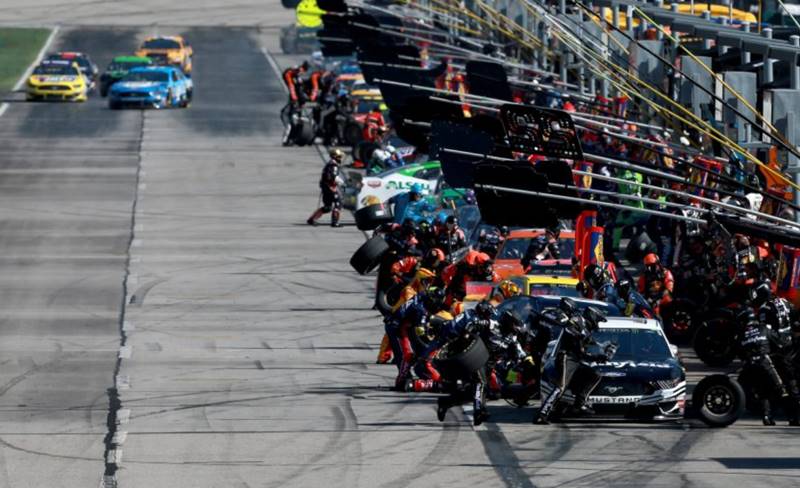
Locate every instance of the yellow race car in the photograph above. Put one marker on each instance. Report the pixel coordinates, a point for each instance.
(57, 80)
(534, 285)
(168, 50)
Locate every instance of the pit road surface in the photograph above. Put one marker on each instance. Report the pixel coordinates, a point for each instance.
(250, 341)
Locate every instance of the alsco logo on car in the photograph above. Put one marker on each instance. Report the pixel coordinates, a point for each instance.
(405, 185)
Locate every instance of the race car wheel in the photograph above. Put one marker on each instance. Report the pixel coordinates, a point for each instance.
(352, 134)
(718, 400)
(714, 343)
(457, 363)
(368, 256)
(189, 94)
(372, 217)
(114, 105)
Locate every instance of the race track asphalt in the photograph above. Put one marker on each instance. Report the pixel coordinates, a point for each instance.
(249, 341)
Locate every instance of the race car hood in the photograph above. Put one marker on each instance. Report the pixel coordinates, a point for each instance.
(140, 86)
(53, 78)
(641, 370)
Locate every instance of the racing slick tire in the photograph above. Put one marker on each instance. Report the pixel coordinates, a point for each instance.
(352, 134)
(714, 343)
(373, 216)
(303, 133)
(639, 247)
(368, 256)
(364, 150)
(386, 298)
(458, 364)
(718, 400)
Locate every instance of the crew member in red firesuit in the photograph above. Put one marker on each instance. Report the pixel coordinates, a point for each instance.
(374, 125)
(656, 284)
(475, 266)
(329, 184)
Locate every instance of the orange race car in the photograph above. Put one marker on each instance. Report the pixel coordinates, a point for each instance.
(512, 250)
(168, 50)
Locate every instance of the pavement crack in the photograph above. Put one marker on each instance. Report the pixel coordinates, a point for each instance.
(112, 453)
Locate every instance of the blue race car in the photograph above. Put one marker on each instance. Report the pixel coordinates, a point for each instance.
(152, 86)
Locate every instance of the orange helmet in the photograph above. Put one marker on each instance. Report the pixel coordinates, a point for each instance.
(651, 259)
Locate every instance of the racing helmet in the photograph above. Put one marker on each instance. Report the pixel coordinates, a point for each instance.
(409, 228)
(416, 188)
(592, 318)
(746, 316)
(652, 265)
(507, 289)
(424, 274)
(434, 258)
(761, 293)
(469, 197)
(624, 288)
(510, 323)
(484, 310)
(593, 275)
(568, 306)
(433, 299)
(451, 222)
(336, 154)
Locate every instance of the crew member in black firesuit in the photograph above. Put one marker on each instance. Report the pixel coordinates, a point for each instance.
(329, 184)
(450, 237)
(541, 248)
(573, 357)
(596, 284)
(776, 314)
(457, 334)
(507, 355)
(755, 350)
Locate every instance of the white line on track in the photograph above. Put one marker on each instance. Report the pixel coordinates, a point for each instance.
(27, 73)
(274, 65)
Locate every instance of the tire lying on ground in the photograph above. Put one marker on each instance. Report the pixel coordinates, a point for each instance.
(718, 400)
(463, 362)
(372, 216)
(368, 256)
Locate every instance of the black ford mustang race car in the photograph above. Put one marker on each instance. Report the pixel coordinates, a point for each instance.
(643, 380)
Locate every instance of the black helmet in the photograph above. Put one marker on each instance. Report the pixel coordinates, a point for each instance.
(451, 219)
(593, 317)
(554, 230)
(433, 299)
(408, 227)
(484, 310)
(761, 293)
(305, 65)
(593, 274)
(504, 231)
(510, 323)
(624, 288)
(568, 306)
(746, 316)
